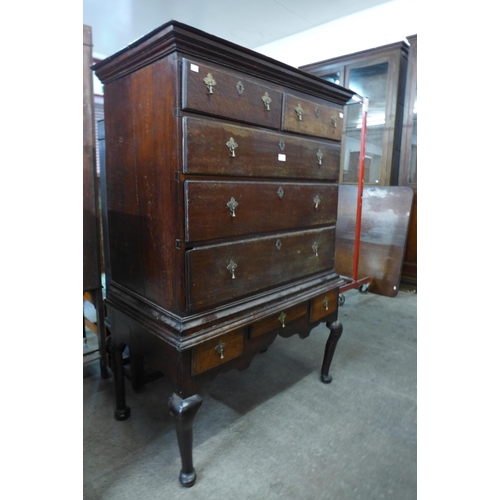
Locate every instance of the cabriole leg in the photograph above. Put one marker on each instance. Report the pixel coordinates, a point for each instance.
(184, 411)
(335, 334)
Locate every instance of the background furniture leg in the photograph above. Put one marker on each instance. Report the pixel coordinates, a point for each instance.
(122, 411)
(184, 411)
(335, 334)
(101, 330)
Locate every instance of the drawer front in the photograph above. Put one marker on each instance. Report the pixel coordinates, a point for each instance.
(217, 351)
(221, 209)
(312, 118)
(208, 149)
(223, 273)
(324, 305)
(222, 92)
(279, 320)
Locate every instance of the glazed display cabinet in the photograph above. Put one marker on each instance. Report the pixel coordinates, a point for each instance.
(380, 75)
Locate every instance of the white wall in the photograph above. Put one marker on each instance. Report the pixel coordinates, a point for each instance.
(386, 23)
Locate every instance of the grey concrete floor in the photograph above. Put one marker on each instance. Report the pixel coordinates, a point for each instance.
(274, 431)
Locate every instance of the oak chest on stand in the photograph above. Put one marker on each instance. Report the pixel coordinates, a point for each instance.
(222, 173)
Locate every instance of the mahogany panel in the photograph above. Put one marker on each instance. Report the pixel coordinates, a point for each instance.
(262, 263)
(234, 94)
(260, 153)
(384, 229)
(319, 118)
(257, 207)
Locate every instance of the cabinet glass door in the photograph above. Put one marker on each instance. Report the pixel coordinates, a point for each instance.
(367, 81)
(412, 177)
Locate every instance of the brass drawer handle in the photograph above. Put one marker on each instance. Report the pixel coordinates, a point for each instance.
(334, 121)
(319, 156)
(317, 201)
(267, 101)
(232, 145)
(325, 303)
(231, 267)
(232, 204)
(220, 348)
(299, 111)
(281, 319)
(210, 83)
(315, 249)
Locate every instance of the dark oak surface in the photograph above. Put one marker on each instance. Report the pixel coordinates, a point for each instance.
(261, 153)
(211, 242)
(259, 208)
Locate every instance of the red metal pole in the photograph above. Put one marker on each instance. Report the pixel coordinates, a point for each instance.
(361, 176)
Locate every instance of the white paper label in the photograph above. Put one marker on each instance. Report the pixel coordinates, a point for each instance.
(341, 115)
(281, 157)
(195, 68)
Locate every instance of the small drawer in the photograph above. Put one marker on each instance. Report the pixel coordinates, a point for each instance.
(222, 209)
(211, 89)
(279, 320)
(324, 305)
(216, 147)
(318, 118)
(217, 351)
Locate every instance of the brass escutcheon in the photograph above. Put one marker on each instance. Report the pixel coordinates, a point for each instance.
(317, 201)
(231, 267)
(299, 111)
(232, 145)
(267, 101)
(281, 145)
(281, 193)
(278, 244)
(334, 121)
(232, 204)
(210, 83)
(220, 348)
(325, 303)
(240, 88)
(281, 319)
(315, 249)
(319, 156)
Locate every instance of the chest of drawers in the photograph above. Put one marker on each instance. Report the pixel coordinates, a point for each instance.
(222, 173)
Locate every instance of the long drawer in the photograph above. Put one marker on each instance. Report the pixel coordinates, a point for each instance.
(219, 148)
(221, 209)
(226, 272)
(318, 118)
(218, 91)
